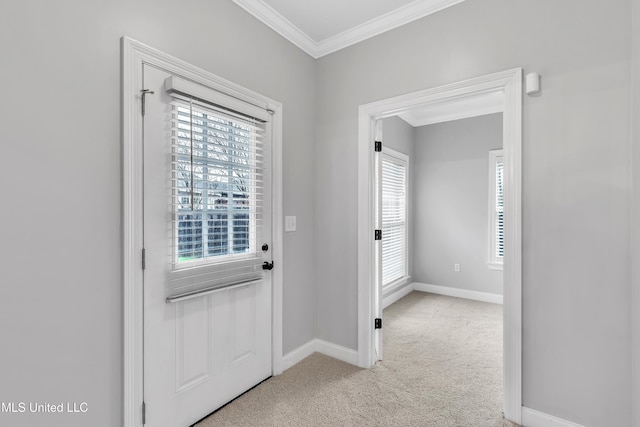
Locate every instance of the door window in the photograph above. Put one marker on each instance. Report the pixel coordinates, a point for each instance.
(216, 184)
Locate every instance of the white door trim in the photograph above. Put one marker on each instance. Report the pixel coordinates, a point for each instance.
(510, 83)
(134, 54)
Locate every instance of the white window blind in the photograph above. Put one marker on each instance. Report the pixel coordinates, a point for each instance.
(394, 219)
(499, 210)
(217, 191)
(496, 209)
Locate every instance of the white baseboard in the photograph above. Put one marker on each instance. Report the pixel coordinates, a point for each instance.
(337, 352)
(297, 355)
(533, 418)
(458, 293)
(398, 293)
(316, 345)
(351, 356)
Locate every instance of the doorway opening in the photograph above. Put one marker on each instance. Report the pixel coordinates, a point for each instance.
(508, 85)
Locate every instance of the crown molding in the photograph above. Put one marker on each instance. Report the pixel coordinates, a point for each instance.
(416, 120)
(396, 18)
(462, 107)
(281, 25)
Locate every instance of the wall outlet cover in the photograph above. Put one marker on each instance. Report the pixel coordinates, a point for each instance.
(289, 223)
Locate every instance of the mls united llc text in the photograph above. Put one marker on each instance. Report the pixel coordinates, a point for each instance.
(45, 407)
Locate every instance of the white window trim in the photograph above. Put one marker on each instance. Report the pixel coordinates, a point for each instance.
(498, 266)
(404, 160)
(494, 262)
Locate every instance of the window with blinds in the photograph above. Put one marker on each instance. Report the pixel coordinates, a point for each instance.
(216, 183)
(496, 209)
(499, 211)
(394, 217)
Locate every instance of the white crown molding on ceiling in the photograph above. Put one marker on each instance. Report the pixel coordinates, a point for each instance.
(396, 18)
(463, 108)
(417, 121)
(279, 24)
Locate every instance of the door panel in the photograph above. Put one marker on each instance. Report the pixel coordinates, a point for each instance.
(201, 352)
(193, 342)
(243, 321)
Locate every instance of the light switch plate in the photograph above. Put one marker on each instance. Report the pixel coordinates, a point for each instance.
(289, 223)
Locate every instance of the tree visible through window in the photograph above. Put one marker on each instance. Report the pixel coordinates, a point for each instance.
(216, 162)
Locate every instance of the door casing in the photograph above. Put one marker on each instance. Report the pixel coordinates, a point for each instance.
(134, 55)
(510, 83)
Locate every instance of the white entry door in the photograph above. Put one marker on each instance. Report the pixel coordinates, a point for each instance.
(207, 233)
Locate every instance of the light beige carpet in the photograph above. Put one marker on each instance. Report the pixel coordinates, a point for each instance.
(442, 367)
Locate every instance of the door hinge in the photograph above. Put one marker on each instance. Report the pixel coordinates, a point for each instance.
(144, 413)
(378, 146)
(378, 235)
(377, 323)
(144, 258)
(144, 94)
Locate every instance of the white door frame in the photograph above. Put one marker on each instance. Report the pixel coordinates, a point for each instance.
(134, 55)
(510, 83)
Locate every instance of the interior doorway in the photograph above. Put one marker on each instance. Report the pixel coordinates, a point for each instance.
(370, 299)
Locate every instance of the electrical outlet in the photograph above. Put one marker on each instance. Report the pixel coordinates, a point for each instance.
(456, 267)
(289, 223)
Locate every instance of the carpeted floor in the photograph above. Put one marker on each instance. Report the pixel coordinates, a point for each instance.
(442, 367)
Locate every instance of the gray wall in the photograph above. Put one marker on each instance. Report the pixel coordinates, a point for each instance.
(576, 181)
(635, 301)
(61, 305)
(61, 275)
(400, 136)
(451, 195)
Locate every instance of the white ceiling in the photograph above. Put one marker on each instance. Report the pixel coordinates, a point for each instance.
(321, 20)
(320, 27)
